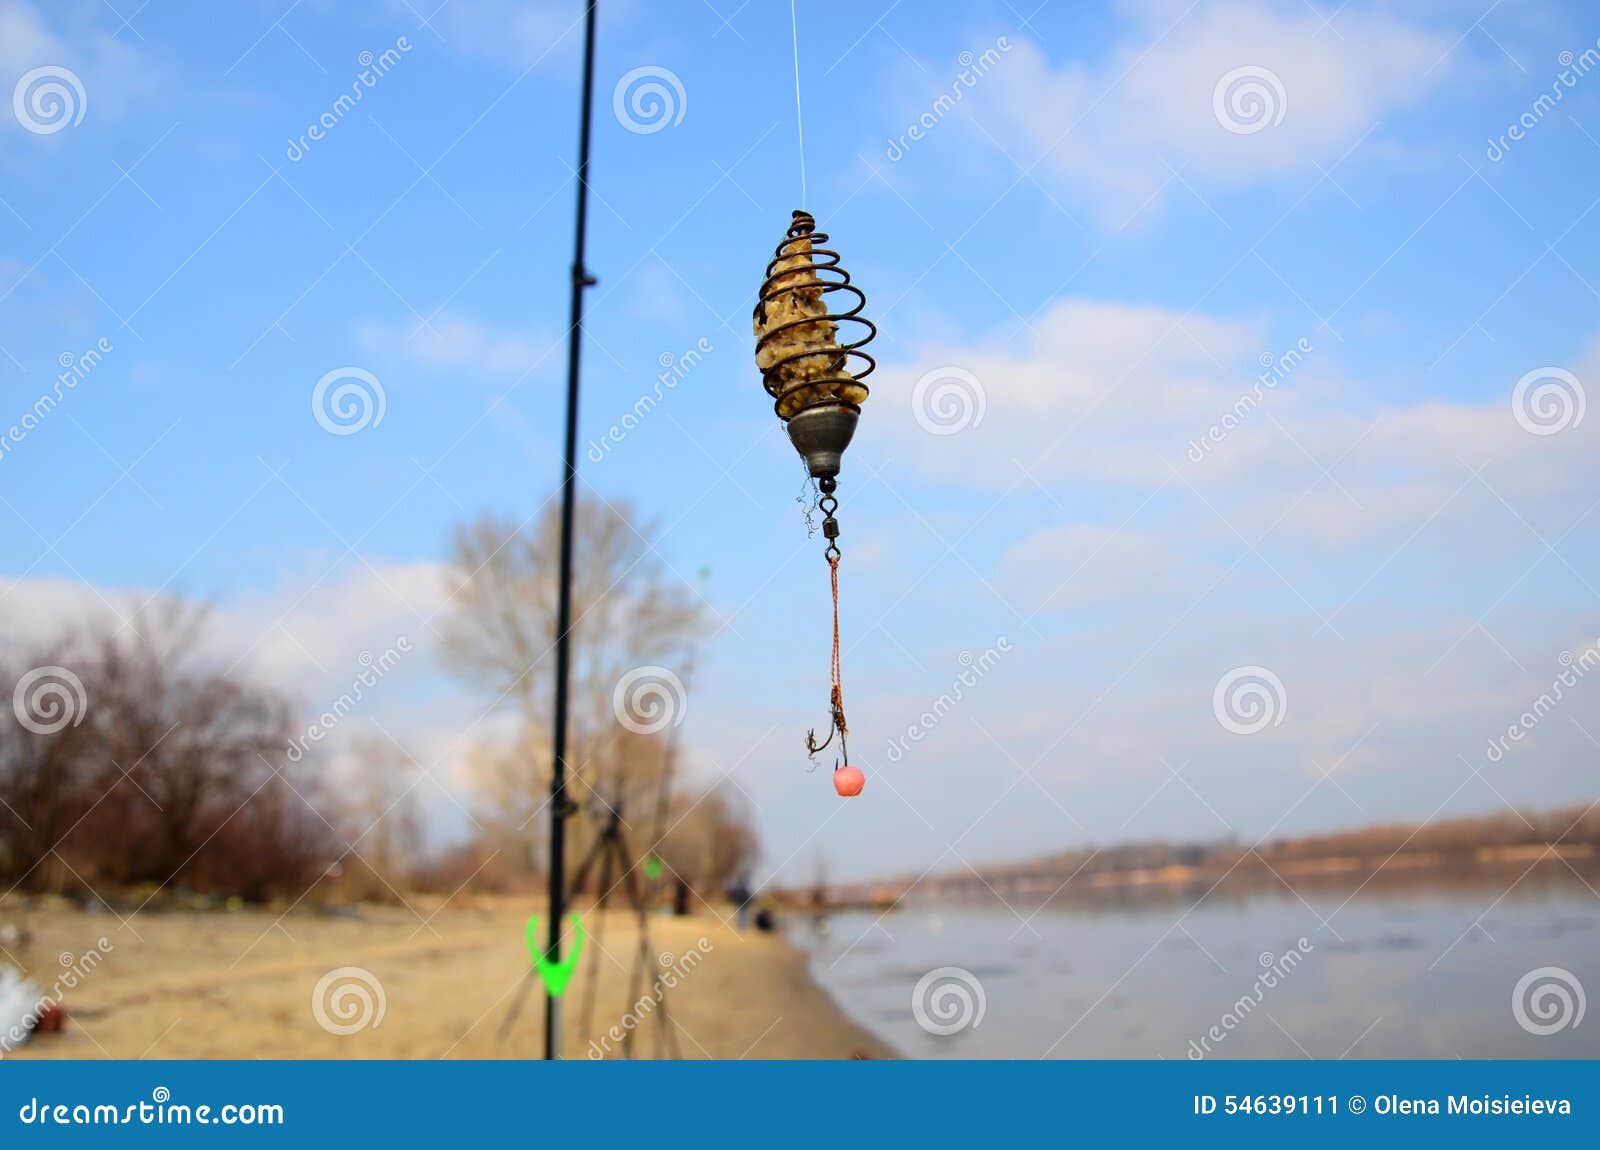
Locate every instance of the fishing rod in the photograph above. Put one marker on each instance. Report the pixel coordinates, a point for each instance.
(560, 805)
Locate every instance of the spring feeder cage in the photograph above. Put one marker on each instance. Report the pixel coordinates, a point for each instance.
(809, 334)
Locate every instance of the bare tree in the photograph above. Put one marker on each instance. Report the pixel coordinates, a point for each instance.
(378, 806)
(511, 780)
(713, 840)
(629, 610)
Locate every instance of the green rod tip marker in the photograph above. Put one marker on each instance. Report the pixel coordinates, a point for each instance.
(555, 975)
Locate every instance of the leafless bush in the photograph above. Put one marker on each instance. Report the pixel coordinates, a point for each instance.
(45, 775)
(168, 775)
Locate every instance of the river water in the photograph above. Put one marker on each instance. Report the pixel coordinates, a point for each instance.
(1422, 975)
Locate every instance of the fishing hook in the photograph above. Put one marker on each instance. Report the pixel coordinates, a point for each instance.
(836, 723)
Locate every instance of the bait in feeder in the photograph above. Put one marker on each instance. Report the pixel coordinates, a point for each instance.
(809, 334)
(813, 376)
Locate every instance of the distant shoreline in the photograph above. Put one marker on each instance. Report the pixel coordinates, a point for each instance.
(1464, 852)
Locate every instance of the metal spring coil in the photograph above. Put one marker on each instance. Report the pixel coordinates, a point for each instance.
(830, 277)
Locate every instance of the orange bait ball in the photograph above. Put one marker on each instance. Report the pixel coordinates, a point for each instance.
(848, 781)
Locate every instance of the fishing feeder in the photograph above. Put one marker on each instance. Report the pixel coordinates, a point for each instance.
(813, 375)
(809, 335)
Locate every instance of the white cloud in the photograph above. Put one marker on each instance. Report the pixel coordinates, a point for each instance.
(466, 347)
(516, 33)
(1084, 359)
(1083, 563)
(111, 71)
(1124, 124)
(1087, 367)
(1139, 397)
(304, 637)
(24, 39)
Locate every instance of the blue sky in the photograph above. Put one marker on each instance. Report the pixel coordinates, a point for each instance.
(1076, 269)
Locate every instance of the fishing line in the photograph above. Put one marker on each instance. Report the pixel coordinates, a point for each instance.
(799, 118)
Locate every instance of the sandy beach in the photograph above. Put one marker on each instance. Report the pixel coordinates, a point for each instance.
(430, 981)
